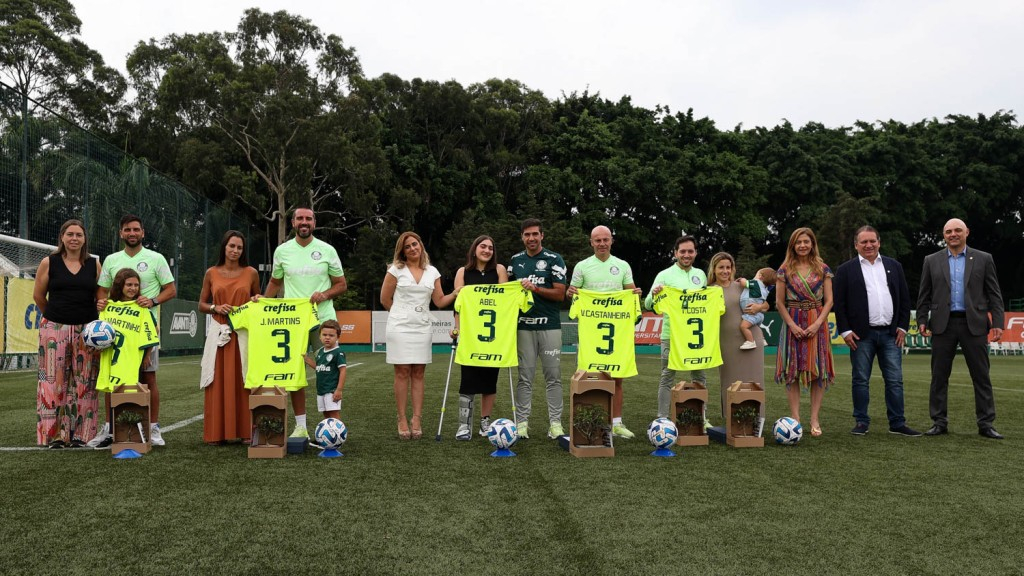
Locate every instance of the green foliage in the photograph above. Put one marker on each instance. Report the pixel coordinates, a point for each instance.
(128, 417)
(592, 422)
(689, 417)
(745, 414)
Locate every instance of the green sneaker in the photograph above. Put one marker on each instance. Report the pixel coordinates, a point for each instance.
(707, 424)
(523, 430)
(300, 433)
(555, 430)
(621, 431)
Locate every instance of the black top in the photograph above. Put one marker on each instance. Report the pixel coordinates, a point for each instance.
(71, 298)
(473, 276)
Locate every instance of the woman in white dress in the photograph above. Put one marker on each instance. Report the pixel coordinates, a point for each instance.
(409, 286)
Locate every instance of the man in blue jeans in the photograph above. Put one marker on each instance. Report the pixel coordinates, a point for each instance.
(872, 307)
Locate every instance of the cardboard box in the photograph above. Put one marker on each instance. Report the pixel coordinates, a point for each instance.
(746, 395)
(268, 401)
(692, 395)
(596, 388)
(130, 398)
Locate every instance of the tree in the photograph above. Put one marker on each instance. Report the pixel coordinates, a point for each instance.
(270, 105)
(42, 57)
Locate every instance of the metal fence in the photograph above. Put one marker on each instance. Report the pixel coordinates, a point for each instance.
(52, 170)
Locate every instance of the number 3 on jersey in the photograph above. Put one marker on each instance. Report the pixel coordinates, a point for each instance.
(285, 339)
(489, 325)
(609, 337)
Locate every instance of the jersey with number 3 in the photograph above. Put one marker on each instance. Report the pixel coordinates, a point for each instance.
(695, 317)
(607, 331)
(135, 331)
(278, 336)
(488, 320)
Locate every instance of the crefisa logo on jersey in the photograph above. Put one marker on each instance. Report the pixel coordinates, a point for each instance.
(184, 323)
(142, 267)
(316, 255)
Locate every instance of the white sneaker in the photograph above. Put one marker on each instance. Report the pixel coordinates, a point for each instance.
(103, 438)
(155, 437)
(748, 345)
(485, 425)
(464, 433)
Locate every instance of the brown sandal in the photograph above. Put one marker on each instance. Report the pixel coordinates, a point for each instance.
(417, 431)
(403, 429)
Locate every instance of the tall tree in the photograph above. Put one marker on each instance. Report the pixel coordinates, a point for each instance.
(270, 105)
(43, 58)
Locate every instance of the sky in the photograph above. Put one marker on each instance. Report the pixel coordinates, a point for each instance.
(750, 63)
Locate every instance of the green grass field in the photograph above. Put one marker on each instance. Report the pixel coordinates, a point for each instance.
(838, 504)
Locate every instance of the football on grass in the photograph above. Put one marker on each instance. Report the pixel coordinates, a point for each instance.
(98, 334)
(502, 433)
(787, 431)
(330, 433)
(662, 433)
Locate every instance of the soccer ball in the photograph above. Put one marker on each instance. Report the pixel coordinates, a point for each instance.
(98, 334)
(330, 433)
(662, 433)
(502, 433)
(788, 431)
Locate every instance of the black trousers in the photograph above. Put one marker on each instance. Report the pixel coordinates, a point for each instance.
(975, 350)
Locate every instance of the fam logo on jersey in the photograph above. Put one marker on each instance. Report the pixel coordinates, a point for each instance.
(614, 270)
(184, 323)
(142, 267)
(316, 255)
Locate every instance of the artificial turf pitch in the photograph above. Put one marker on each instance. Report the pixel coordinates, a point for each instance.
(838, 504)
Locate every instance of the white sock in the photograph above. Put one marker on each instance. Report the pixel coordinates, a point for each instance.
(300, 421)
(616, 421)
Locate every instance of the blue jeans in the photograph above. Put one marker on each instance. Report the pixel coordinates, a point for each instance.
(878, 342)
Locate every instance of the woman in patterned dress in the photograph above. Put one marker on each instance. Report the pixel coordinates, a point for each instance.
(803, 296)
(65, 293)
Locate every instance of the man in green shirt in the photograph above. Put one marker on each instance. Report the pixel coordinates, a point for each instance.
(684, 276)
(306, 267)
(156, 287)
(603, 272)
(540, 330)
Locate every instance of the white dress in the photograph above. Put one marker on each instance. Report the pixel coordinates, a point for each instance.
(408, 332)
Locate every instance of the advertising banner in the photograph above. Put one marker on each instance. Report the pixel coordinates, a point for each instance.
(23, 317)
(355, 326)
(179, 326)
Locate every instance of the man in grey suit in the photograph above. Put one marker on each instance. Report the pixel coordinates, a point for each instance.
(959, 288)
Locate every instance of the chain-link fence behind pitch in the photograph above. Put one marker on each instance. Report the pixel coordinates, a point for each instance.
(52, 170)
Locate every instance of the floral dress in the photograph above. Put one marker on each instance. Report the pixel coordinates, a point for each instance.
(805, 361)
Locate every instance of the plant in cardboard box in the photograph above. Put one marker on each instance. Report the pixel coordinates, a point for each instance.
(128, 421)
(743, 416)
(270, 427)
(591, 421)
(690, 422)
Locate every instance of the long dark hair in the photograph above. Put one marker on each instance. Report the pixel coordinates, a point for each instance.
(222, 258)
(471, 255)
(117, 286)
(83, 255)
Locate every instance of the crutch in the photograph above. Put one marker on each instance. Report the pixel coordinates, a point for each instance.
(444, 399)
(512, 391)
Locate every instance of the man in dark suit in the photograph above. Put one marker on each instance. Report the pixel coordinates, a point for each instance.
(873, 315)
(959, 289)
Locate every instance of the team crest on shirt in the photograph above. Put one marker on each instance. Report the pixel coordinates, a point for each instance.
(542, 265)
(695, 280)
(614, 270)
(329, 357)
(316, 255)
(142, 267)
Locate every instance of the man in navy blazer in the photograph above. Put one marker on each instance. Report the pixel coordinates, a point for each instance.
(959, 290)
(872, 306)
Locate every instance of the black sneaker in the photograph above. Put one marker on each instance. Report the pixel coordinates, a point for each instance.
(860, 429)
(904, 431)
(105, 443)
(56, 445)
(76, 443)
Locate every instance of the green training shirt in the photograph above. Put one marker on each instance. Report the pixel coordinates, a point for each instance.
(546, 269)
(488, 317)
(308, 269)
(675, 277)
(608, 276)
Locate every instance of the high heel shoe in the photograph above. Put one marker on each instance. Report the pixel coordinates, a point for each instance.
(816, 431)
(403, 429)
(417, 431)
